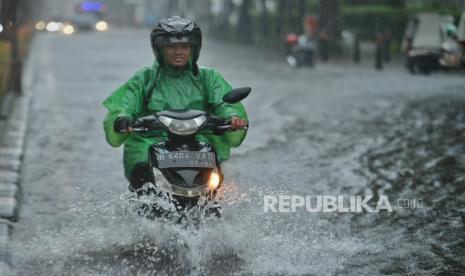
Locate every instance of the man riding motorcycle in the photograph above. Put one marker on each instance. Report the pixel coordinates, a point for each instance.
(173, 82)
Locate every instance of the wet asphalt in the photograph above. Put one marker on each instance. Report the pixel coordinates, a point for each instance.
(335, 129)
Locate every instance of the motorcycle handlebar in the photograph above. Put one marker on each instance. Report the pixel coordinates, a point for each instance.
(144, 125)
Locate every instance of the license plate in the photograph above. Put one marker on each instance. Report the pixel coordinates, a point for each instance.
(186, 159)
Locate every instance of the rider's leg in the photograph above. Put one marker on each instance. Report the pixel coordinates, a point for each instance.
(140, 174)
(136, 163)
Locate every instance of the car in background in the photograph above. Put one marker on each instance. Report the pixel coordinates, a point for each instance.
(88, 22)
(84, 21)
(81, 22)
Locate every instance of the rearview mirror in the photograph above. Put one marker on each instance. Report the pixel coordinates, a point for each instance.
(237, 95)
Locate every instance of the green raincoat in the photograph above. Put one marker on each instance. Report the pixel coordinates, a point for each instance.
(174, 89)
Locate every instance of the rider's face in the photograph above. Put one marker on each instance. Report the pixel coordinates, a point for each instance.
(177, 54)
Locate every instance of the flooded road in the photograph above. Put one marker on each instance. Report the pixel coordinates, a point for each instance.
(331, 130)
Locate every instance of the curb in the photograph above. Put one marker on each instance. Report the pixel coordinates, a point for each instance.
(11, 155)
(12, 145)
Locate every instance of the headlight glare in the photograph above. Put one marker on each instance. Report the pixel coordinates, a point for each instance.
(214, 181)
(101, 26)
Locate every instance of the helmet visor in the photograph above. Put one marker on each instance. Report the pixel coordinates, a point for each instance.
(174, 39)
(167, 40)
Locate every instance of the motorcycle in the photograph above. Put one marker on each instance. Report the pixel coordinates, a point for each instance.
(429, 47)
(301, 50)
(186, 172)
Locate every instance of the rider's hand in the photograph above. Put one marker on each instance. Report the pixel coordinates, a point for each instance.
(123, 124)
(237, 123)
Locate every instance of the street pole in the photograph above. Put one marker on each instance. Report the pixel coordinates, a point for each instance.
(379, 52)
(264, 20)
(9, 22)
(356, 48)
(244, 21)
(12, 85)
(16, 65)
(329, 15)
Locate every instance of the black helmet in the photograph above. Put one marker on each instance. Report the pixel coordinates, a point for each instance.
(173, 30)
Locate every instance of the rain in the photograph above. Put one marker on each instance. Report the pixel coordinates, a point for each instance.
(349, 100)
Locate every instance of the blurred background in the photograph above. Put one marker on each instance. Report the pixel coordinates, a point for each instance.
(336, 26)
(327, 29)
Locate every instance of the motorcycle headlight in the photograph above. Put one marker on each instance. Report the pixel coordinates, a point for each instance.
(214, 181)
(183, 127)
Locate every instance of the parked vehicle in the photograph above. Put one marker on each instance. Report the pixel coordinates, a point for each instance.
(431, 44)
(461, 36)
(88, 22)
(301, 50)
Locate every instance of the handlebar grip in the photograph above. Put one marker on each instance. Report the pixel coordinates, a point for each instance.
(135, 129)
(226, 127)
(139, 129)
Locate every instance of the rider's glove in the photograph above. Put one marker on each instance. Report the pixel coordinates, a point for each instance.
(122, 124)
(237, 123)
